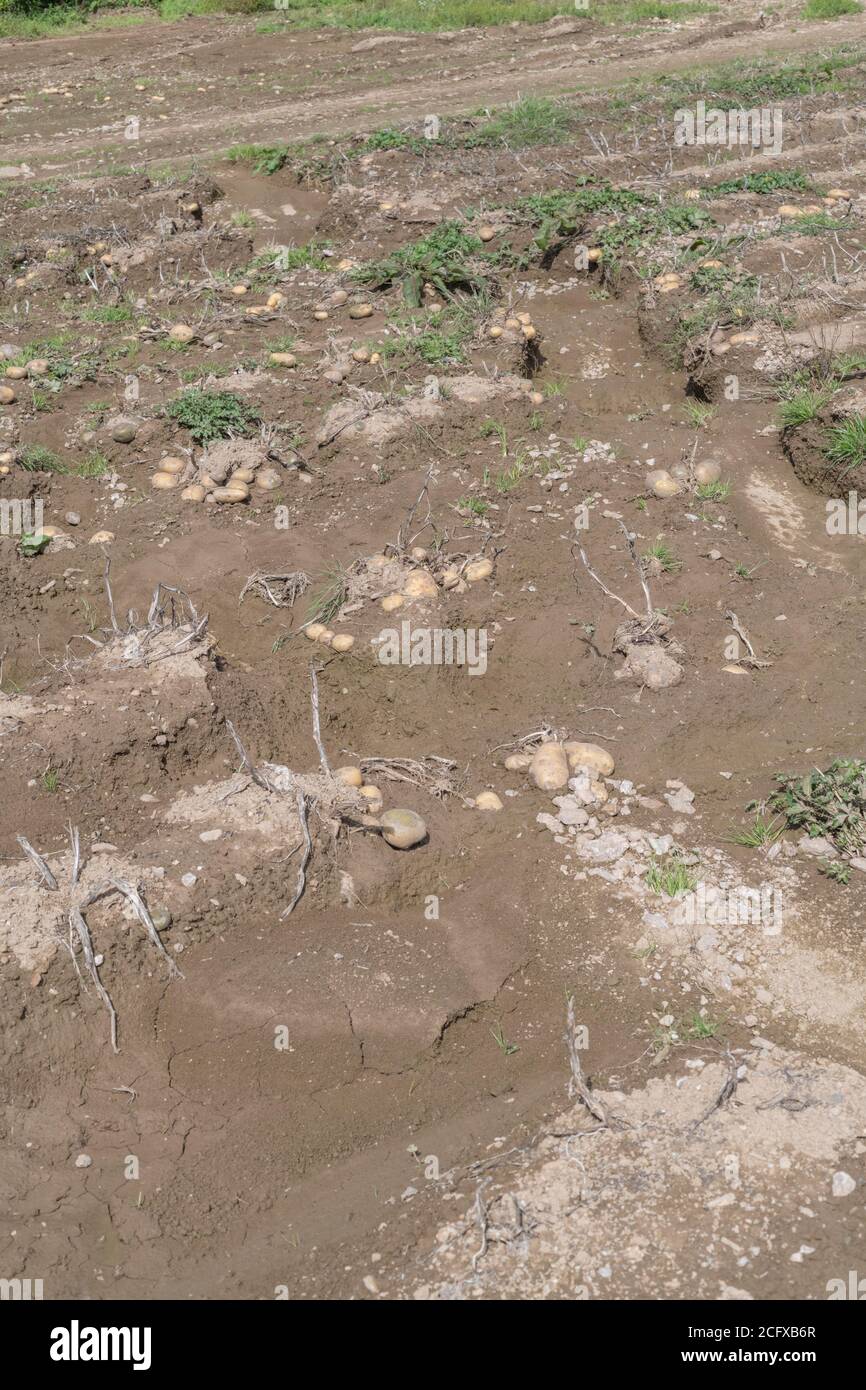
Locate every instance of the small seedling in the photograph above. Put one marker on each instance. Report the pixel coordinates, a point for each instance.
(505, 1047)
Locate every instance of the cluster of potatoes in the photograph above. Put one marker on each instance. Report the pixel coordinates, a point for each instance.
(512, 327)
(400, 828)
(664, 482)
(420, 584)
(235, 488)
(35, 368)
(551, 765)
(337, 641)
(671, 280)
(831, 199)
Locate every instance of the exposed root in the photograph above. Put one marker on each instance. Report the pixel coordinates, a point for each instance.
(279, 589)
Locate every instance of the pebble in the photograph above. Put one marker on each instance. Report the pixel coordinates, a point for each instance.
(208, 836)
(83, 1161)
(189, 880)
(843, 1184)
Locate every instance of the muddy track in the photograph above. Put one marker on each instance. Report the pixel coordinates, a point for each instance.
(487, 74)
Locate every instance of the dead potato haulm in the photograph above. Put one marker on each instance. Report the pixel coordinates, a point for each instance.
(432, 478)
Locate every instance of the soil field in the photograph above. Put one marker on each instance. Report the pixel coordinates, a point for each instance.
(418, 424)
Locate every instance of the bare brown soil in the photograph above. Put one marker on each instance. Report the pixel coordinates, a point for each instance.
(319, 1099)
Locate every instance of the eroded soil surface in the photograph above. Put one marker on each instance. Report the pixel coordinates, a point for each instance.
(371, 1095)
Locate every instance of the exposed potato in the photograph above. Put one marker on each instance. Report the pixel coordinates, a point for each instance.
(486, 233)
(7, 395)
(402, 829)
(589, 755)
(343, 642)
(194, 493)
(420, 584)
(16, 373)
(488, 801)
(101, 538)
(659, 481)
(549, 767)
(349, 776)
(373, 796)
(268, 480)
(495, 331)
(283, 359)
(708, 471)
(237, 492)
(477, 570)
(172, 465)
(164, 480)
(360, 311)
(391, 602)
(518, 762)
(181, 333)
(314, 631)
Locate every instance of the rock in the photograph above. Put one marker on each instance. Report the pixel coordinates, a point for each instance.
(83, 1161)
(380, 41)
(72, 519)
(843, 1184)
(818, 846)
(209, 836)
(403, 829)
(571, 811)
(519, 762)
(189, 880)
(603, 849)
(680, 799)
(550, 822)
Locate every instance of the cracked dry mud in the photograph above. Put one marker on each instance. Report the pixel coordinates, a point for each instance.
(371, 1097)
